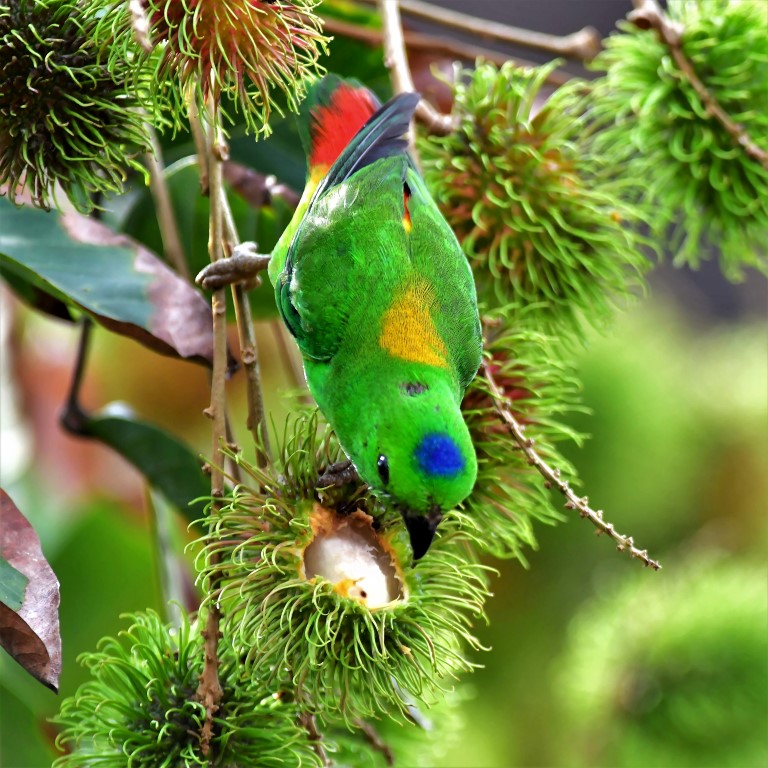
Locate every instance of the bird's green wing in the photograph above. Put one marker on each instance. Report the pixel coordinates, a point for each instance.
(350, 256)
(437, 256)
(342, 223)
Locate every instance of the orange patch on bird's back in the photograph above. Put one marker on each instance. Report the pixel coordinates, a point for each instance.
(408, 331)
(407, 223)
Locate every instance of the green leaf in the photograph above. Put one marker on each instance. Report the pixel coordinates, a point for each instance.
(167, 463)
(12, 585)
(121, 284)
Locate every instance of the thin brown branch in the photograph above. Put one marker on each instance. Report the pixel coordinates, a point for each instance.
(309, 724)
(396, 60)
(649, 15)
(209, 690)
(169, 231)
(553, 479)
(258, 189)
(373, 737)
(73, 418)
(584, 44)
(436, 46)
(395, 57)
(235, 470)
(414, 41)
(256, 420)
(201, 139)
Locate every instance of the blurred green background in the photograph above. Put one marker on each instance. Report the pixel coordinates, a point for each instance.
(595, 661)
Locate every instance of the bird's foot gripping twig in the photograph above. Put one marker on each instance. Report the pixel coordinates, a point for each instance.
(338, 474)
(243, 266)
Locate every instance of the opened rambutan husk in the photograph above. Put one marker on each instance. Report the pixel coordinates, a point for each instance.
(327, 591)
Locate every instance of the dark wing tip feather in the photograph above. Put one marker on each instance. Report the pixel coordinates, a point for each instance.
(381, 136)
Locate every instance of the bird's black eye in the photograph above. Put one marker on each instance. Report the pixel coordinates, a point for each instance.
(383, 466)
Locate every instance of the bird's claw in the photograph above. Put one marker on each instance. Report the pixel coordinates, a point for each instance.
(340, 473)
(243, 266)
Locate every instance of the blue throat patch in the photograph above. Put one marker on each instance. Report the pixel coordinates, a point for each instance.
(438, 455)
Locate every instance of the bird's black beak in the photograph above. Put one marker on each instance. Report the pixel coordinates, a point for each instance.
(421, 529)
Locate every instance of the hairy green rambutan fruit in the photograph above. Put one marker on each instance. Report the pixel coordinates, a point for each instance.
(676, 665)
(521, 198)
(695, 180)
(245, 51)
(140, 708)
(323, 588)
(66, 120)
(539, 389)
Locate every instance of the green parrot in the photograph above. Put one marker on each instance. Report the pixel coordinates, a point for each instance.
(372, 283)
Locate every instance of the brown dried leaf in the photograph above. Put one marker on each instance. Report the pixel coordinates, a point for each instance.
(31, 634)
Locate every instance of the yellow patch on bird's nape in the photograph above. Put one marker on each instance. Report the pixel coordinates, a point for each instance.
(318, 173)
(408, 331)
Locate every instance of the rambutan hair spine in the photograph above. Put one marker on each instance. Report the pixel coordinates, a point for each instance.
(252, 56)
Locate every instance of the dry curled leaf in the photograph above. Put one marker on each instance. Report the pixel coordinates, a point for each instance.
(30, 634)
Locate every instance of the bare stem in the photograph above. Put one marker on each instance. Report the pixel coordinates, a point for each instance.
(396, 60)
(209, 690)
(257, 414)
(73, 418)
(553, 479)
(202, 143)
(373, 737)
(310, 726)
(256, 419)
(584, 44)
(258, 189)
(234, 468)
(649, 15)
(166, 219)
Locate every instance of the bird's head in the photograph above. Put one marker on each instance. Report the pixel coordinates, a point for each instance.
(421, 456)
